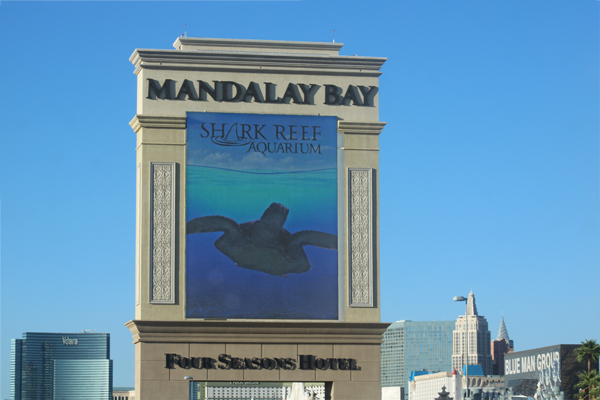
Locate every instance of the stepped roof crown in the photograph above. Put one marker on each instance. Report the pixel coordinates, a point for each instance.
(471, 307)
(502, 332)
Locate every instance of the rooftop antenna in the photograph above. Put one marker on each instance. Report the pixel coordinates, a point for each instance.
(184, 30)
(334, 36)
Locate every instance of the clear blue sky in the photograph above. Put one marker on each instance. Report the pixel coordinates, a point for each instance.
(489, 162)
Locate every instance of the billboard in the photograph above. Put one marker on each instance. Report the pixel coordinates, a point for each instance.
(261, 216)
(534, 373)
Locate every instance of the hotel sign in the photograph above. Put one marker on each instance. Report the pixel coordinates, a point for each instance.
(266, 92)
(67, 341)
(225, 361)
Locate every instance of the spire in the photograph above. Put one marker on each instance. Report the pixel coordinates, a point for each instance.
(502, 332)
(471, 307)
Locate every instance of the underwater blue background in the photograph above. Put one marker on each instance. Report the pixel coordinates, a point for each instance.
(232, 182)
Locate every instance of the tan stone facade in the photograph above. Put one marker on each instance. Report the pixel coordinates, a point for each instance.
(160, 326)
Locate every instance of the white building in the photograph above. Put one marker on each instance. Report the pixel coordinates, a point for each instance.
(427, 387)
(123, 393)
(392, 393)
(479, 339)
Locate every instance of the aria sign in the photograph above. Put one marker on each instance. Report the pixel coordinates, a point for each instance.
(67, 341)
(228, 91)
(225, 361)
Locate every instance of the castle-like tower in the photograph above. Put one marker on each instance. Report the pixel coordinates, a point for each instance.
(479, 339)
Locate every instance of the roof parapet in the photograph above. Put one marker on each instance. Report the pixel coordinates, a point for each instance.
(257, 46)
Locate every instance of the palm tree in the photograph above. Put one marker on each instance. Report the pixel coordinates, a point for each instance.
(591, 383)
(590, 350)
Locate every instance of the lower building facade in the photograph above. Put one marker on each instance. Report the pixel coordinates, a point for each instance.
(61, 366)
(257, 390)
(181, 360)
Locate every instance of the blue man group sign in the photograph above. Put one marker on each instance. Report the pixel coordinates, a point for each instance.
(261, 216)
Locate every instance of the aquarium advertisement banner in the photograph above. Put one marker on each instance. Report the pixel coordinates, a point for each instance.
(261, 216)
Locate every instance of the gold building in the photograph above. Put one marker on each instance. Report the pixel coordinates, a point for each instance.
(257, 245)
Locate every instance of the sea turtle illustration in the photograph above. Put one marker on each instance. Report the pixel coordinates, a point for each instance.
(263, 245)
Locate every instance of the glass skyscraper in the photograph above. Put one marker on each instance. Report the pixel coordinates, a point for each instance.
(414, 346)
(61, 366)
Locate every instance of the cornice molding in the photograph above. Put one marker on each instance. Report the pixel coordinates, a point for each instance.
(165, 122)
(256, 332)
(362, 128)
(157, 121)
(266, 71)
(255, 62)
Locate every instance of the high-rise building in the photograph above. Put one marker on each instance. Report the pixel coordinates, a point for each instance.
(213, 222)
(65, 366)
(479, 339)
(413, 346)
(500, 347)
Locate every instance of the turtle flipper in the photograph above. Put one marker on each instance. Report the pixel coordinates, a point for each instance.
(314, 238)
(215, 223)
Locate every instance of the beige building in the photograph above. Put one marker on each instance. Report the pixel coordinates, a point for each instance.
(478, 339)
(257, 237)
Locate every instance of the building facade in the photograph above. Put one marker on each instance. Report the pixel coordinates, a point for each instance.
(257, 221)
(414, 346)
(474, 326)
(256, 390)
(428, 386)
(123, 393)
(61, 366)
(499, 349)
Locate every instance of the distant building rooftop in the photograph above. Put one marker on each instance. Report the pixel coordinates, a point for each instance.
(474, 370)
